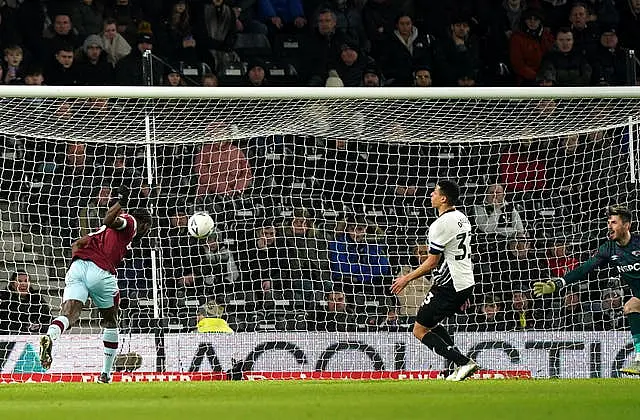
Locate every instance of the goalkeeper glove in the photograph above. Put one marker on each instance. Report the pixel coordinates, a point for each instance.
(120, 195)
(547, 287)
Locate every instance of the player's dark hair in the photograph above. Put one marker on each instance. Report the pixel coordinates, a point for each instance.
(451, 190)
(141, 215)
(621, 211)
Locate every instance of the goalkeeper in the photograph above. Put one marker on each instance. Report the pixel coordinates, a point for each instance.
(621, 251)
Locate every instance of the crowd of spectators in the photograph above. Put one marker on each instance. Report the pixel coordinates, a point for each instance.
(320, 42)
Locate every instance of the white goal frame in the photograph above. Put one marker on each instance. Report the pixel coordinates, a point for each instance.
(322, 95)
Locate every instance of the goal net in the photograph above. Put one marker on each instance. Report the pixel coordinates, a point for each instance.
(320, 199)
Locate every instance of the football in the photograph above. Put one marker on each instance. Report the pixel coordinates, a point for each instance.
(200, 225)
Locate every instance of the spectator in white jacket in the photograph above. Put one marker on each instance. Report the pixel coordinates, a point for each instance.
(115, 45)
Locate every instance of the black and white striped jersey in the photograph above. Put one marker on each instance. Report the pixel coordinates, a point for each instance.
(450, 235)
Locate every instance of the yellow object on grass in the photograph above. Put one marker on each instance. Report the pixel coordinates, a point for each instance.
(214, 325)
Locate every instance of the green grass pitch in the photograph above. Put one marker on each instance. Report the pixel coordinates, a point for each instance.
(515, 399)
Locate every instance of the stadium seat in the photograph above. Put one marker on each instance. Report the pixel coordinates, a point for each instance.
(250, 46)
(288, 45)
(232, 74)
(193, 72)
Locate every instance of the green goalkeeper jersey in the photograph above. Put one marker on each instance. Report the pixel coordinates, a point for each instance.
(625, 259)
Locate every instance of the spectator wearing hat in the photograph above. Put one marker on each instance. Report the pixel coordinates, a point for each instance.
(333, 79)
(556, 13)
(570, 67)
(256, 74)
(371, 77)
(528, 45)
(524, 313)
(93, 66)
(457, 59)
(114, 44)
(609, 61)
(406, 49)
(351, 64)
(172, 77)
(129, 68)
(422, 76)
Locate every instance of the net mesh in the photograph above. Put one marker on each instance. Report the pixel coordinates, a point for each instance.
(191, 120)
(318, 205)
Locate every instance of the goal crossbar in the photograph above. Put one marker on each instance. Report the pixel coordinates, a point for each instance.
(161, 92)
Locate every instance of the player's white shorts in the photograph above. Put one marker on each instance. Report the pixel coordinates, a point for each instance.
(84, 279)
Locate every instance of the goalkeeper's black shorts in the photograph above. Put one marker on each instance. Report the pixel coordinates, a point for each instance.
(441, 303)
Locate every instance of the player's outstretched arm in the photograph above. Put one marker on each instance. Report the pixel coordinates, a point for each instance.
(578, 274)
(429, 264)
(547, 287)
(119, 199)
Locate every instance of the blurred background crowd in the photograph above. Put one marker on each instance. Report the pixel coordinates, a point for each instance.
(321, 42)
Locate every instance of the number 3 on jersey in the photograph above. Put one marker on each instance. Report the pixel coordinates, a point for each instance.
(462, 245)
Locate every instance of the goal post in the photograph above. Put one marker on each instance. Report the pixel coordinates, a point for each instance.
(320, 198)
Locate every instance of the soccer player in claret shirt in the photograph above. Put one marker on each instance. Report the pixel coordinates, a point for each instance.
(449, 253)
(92, 273)
(621, 251)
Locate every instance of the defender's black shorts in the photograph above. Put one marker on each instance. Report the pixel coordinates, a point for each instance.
(441, 303)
